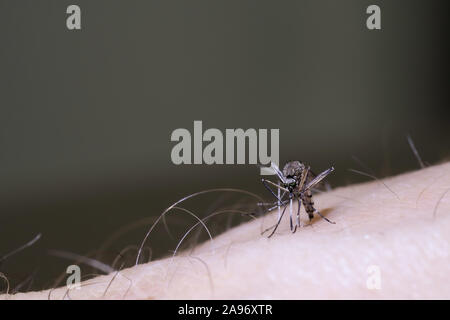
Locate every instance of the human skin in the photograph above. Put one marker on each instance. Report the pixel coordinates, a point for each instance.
(390, 241)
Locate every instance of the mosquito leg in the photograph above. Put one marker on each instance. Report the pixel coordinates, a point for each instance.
(318, 212)
(276, 225)
(282, 203)
(275, 185)
(264, 181)
(279, 197)
(278, 222)
(290, 217)
(298, 212)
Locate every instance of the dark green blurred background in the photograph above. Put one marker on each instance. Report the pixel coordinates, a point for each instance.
(86, 116)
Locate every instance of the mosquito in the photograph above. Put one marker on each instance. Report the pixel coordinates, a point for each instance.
(295, 183)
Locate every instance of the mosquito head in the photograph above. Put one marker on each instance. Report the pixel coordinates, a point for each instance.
(293, 172)
(290, 184)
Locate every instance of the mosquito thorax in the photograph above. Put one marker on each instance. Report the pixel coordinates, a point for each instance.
(293, 169)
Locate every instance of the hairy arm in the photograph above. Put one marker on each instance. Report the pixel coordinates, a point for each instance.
(390, 241)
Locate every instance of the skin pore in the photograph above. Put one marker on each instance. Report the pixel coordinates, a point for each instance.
(391, 240)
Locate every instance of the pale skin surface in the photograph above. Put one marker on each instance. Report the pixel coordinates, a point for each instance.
(398, 243)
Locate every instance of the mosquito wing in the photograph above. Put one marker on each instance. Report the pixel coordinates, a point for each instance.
(318, 178)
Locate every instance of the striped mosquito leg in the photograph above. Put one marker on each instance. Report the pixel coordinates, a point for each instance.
(326, 219)
(298, 213)
(279, 204)
(275, 227)
(293, 229)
